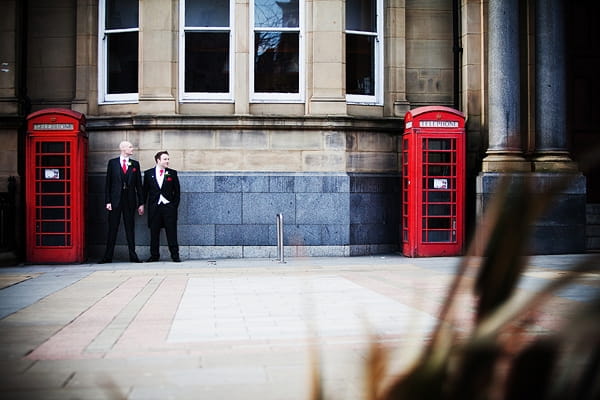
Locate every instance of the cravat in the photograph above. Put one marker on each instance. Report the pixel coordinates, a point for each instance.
(124, 166)
(161, 172)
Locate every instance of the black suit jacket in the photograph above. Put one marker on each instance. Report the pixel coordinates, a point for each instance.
(116, 180)
(170, 190)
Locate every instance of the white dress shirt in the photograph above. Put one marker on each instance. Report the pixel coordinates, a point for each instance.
(121, 158)
(160, 179)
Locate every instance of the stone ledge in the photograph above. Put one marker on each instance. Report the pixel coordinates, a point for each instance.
(321, 123)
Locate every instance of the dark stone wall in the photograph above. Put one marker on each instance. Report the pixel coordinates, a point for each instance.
(560, 229)
(234, 215)
(375, 210)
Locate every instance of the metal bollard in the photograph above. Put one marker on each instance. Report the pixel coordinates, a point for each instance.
(279, 220)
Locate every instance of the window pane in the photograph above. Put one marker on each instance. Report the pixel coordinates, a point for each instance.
(434, 196)
(436, 236)
(439, 223)
(53, 200)
(51, 147)
(54, 227)
(53, 161)
(207, 62)
(53, 187)
(439, 209)
(438, 157)
(204, 13)
(360, 68)
(276, 62)
(438, 170)
(52, 240)
(122, 63)
(276, 14)
(52, 213)
(121, 14)
(439, 144)
(360, 15)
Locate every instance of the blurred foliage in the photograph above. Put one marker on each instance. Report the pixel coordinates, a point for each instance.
(502, 356)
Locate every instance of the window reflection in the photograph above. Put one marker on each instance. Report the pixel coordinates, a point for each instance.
(276, 62)
(121, 14)
(360, 67)
(363, 50)
(205, 13)
(207, 62)
(360, 15)
(276, 14)
(207, 47)
(122, 62)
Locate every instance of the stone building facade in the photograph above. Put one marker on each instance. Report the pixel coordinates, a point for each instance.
(296, 107)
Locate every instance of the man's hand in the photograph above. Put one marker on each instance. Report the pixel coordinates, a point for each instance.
(109, 206)
(141, 210)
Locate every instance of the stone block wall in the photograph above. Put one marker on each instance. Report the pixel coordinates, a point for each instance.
(429, 69)
(592, 229)
(560, 229)
(233, 215)
(375, 213)
(335, 180)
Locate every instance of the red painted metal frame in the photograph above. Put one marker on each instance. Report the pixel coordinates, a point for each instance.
(56, 186)
(433, 182)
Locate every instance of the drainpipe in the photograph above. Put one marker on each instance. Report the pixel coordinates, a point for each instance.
(456, 51)
(23, 109)
(24, 103)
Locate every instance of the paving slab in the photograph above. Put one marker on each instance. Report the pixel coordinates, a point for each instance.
(232, 328)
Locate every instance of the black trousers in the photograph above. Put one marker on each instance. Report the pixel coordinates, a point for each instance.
(166, 216)
(114, 218)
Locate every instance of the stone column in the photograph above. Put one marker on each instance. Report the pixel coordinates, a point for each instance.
(326, 85)
(505, 152)
(395, 102)
(550, 93)
(561, 228)
(156, 57)
(86, 76)
(242, 59)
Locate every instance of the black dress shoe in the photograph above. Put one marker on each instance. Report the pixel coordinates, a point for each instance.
(105, 261)
(152, 259)
(176, 259)
(134, 260)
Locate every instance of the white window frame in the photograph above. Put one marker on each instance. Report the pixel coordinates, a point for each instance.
(271, 97)
(103, 96)
(206, 96)
(377, 98)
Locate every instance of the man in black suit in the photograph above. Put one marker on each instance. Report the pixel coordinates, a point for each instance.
(122, 195)
(161, 189)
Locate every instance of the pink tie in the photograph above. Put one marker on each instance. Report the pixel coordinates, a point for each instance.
(124, 166)
(161, 172)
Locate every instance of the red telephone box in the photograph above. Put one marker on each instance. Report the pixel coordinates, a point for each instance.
(433, 182)
(56, 177)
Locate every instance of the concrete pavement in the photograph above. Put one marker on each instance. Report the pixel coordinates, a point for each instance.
(229, 329)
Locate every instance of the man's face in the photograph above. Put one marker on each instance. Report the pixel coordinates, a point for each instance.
(126, 149)
(163, 162)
